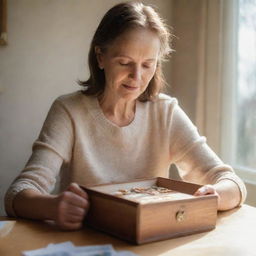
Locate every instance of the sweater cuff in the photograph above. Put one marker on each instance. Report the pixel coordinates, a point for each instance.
(240, 184)
(11, 193)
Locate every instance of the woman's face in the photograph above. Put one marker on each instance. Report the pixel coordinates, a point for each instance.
(129, 63)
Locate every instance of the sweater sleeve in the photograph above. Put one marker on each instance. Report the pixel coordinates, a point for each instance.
(195, 160)
(49, 151)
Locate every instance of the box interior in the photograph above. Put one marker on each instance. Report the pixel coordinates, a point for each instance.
(111, 189)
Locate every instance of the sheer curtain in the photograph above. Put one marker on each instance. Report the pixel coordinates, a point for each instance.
(216, 102)
(208, 103)
(205, 78)
(226, 102)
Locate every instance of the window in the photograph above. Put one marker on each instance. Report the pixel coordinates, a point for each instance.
(225, 109)
(245, 146)
(227, 92)
(238, 135)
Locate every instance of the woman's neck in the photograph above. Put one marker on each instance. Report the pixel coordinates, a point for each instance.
(119, 111)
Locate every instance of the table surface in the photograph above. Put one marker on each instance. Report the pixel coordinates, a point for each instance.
(235, 234)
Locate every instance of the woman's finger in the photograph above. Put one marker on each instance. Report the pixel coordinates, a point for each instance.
(73, 199)
(74, 187)
(73, 218)
(205, 190)
(77, 211)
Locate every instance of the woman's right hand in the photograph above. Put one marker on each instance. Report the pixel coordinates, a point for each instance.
(71, 207)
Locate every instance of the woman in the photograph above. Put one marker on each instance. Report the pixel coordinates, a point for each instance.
(118, 128)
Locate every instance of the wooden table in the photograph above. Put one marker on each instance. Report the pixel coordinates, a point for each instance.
(235, 235)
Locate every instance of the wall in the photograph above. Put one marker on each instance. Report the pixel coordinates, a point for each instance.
(48, 42)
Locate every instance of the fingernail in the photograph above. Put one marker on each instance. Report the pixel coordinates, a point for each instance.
(202, 190)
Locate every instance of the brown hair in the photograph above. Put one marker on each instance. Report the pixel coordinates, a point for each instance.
(115, 22)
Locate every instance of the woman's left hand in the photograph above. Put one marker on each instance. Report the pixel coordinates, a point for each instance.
(207, 190)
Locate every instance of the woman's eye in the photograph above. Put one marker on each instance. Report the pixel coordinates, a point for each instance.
(123, 63)
(146, 66)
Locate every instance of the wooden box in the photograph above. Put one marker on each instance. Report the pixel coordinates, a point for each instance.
(153, 219)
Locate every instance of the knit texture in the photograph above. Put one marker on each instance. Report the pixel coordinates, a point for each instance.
(81, 145)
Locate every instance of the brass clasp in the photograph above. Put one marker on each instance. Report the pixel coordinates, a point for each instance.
(180, 215)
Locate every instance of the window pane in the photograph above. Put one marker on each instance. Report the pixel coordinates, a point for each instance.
(246, 89)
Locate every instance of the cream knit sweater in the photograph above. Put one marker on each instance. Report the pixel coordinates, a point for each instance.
(78, 142)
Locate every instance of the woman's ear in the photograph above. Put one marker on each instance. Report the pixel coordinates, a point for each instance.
(99, 56)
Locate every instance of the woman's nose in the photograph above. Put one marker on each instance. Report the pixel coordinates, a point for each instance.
(136, 73)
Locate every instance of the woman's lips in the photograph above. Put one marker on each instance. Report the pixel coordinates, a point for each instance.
(131, 88)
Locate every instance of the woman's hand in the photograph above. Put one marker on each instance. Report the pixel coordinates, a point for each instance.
(227, 191)
(71, 207)
(207, 190)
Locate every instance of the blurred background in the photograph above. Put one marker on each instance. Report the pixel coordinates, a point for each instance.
(212, 72)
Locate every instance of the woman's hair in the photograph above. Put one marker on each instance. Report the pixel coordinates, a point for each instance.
(117, 20)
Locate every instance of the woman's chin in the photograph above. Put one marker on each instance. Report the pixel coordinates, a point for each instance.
(130, 97)
(130, 94)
